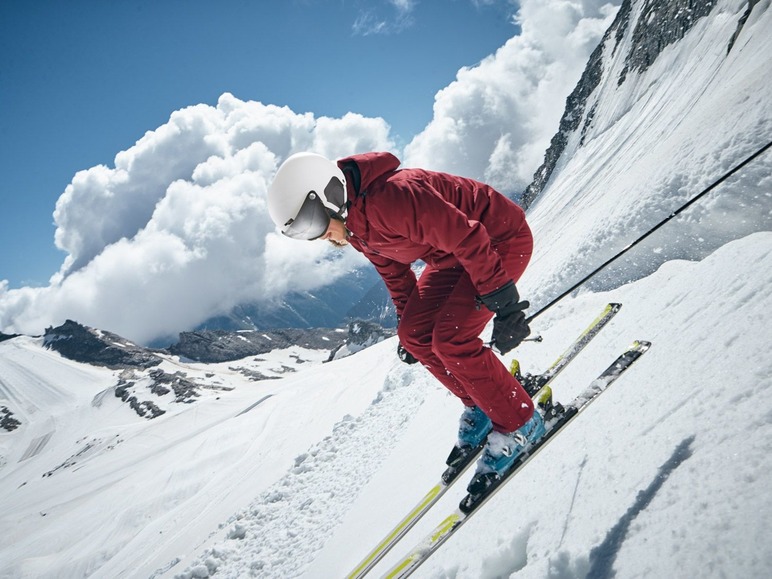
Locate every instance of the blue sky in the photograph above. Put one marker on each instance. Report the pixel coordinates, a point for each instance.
(82, 80)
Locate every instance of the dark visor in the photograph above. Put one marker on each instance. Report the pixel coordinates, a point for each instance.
(311, 222)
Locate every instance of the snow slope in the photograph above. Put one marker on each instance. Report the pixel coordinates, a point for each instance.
(306, 482)
(666, 475)
(175, 477)
(595, 499)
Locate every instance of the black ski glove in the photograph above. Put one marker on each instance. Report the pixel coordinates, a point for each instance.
(405, 356)
(509, 325)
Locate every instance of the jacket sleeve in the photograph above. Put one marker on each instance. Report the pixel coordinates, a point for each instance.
(419, 212)
(398, 277)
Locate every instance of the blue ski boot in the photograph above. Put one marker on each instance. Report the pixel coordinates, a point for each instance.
(502, 450)
(473, 427)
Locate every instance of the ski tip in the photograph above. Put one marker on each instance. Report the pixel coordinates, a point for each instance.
(641, 345)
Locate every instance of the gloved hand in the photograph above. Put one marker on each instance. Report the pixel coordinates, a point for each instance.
(405, 356)
(509, 325)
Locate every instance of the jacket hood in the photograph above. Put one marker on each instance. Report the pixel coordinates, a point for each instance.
(366, 168)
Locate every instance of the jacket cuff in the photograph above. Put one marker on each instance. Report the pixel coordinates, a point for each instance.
(500, 298)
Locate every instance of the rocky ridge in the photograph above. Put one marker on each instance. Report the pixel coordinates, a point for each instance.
(90, 346)
(147, 387)
(657, 25)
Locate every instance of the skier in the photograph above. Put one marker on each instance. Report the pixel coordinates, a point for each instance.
(475, 243)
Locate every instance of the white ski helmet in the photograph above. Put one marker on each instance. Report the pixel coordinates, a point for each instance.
(306, 191)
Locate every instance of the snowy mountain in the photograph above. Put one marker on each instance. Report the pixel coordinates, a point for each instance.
(359, 295)
(658, 24)
(650, 143)
(666, 475)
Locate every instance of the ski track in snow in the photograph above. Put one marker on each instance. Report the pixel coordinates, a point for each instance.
(281, 532)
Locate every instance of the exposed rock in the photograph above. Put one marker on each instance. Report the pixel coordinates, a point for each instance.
(147, 388)
(254, 375)
(4, 337)
(361, 334)
(659, 23)
(83, 344)
(572, 118)
(211, 346)
(741, 24)
(184, 390)
(134, 385)
(364, 333)
(145, 408)
(576, 103)
(7, 421)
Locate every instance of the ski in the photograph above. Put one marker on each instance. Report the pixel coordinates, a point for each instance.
(460, 460)
(470, 505)
(533, 384)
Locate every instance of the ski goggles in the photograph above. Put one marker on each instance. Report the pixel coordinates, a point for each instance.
(311, 222)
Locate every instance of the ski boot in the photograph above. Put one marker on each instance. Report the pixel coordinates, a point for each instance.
(501, 451)
(474, 427)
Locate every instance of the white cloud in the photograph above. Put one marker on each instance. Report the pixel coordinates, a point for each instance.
(103, 205)
(495, 121)
(178, 230)
(370, 20)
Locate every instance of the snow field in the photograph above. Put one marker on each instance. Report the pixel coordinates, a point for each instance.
(282, 530)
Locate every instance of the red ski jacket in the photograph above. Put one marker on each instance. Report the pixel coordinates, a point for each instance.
(397, 217)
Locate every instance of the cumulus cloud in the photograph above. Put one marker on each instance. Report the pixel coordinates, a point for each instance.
(496, 120)
(178, 230)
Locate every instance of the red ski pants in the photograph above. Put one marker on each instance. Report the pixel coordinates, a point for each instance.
(441, 326)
